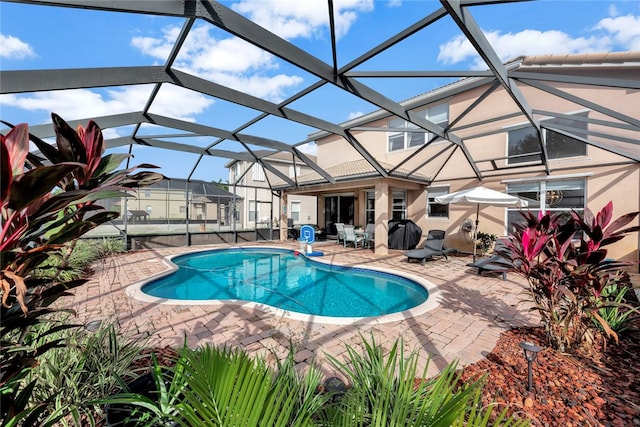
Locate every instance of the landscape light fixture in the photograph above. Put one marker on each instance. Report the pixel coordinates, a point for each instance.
(530, 353)
(336, 387)
(93, 325)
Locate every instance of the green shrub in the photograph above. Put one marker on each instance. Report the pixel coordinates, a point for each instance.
(212, 386)
(89, 368)
(111, 246)
(217, 386)
(614, 308)
(485, 241)
(389, 390)
(73, 261)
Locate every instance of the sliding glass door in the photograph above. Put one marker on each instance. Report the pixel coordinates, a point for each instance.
(338, 209)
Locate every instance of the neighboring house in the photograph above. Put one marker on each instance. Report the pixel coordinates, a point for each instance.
(176, 199)
(562, 174)
(260, 207)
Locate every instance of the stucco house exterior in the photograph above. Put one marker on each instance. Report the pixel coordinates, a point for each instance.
(259, 206)
(398, 169)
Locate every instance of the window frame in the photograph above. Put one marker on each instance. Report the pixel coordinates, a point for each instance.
(258, 173)
(297, 171)
(253, 213)
(439, 191)
(295, 213)
(403, 207)
(370, 207)
(544, 186)
(536, 156)
(422, 136)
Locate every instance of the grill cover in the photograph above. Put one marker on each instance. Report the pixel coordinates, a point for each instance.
(404, 234)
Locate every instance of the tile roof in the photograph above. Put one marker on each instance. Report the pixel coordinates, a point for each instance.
(354, 170)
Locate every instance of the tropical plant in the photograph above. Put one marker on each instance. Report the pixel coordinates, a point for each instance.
(485, 241)
(213, 386)
(387, 389)
(565, 262)
(88, 368)
(613, 307)
(109, 247)
(75, 258)
(44, 207)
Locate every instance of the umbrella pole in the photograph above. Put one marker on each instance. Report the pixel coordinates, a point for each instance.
(475, 232)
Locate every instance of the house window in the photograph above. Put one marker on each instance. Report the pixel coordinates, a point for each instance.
(413, 136)
(548, 196)
(295, 211)
(236, 171)
(147, 193)
(524, 144)
(253, 214)
(258, 172)
(183, 209)
(435, 209)
(148, 209)
(294, 172)
(399, 204)
(370, 208)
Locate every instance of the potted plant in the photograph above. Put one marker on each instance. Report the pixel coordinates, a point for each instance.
(485, 242)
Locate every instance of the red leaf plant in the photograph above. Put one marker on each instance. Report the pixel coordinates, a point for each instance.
(564, 260)
(45, 207)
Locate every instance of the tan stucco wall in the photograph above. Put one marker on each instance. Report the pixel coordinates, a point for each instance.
(619, 181)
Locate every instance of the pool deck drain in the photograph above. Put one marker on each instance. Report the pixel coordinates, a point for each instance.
(473, 312)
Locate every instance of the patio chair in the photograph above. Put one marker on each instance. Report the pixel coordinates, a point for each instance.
(340, 231)
(350, 236)
(494, 263)
(433, 246)
(370, 234)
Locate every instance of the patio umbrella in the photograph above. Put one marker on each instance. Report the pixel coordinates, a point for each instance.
(477, 196)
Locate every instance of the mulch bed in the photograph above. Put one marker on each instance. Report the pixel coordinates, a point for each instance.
(599, 388)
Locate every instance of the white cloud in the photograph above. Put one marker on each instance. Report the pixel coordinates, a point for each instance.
(309, 148)
(353, 115)
(234, 63)
(14, 48)
(203, 53)
(528, 42)
(73, 104)
(157, 47)
(302, 18)
(625, 30)
(180, 103)
(621, 32)
(231, 62)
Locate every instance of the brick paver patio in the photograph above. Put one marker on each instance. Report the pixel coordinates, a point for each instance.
(465, 326)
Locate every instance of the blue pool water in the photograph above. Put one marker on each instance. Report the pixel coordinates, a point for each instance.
(286, 280)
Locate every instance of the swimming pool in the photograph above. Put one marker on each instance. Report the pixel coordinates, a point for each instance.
(288, 282)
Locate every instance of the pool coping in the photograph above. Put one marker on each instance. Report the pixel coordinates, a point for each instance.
(435, 297)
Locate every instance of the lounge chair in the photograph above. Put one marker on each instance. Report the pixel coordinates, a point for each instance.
(494, 263)
(350, 236)
(433, 246)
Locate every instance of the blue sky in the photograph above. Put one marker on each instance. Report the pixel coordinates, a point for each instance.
(41, 37)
